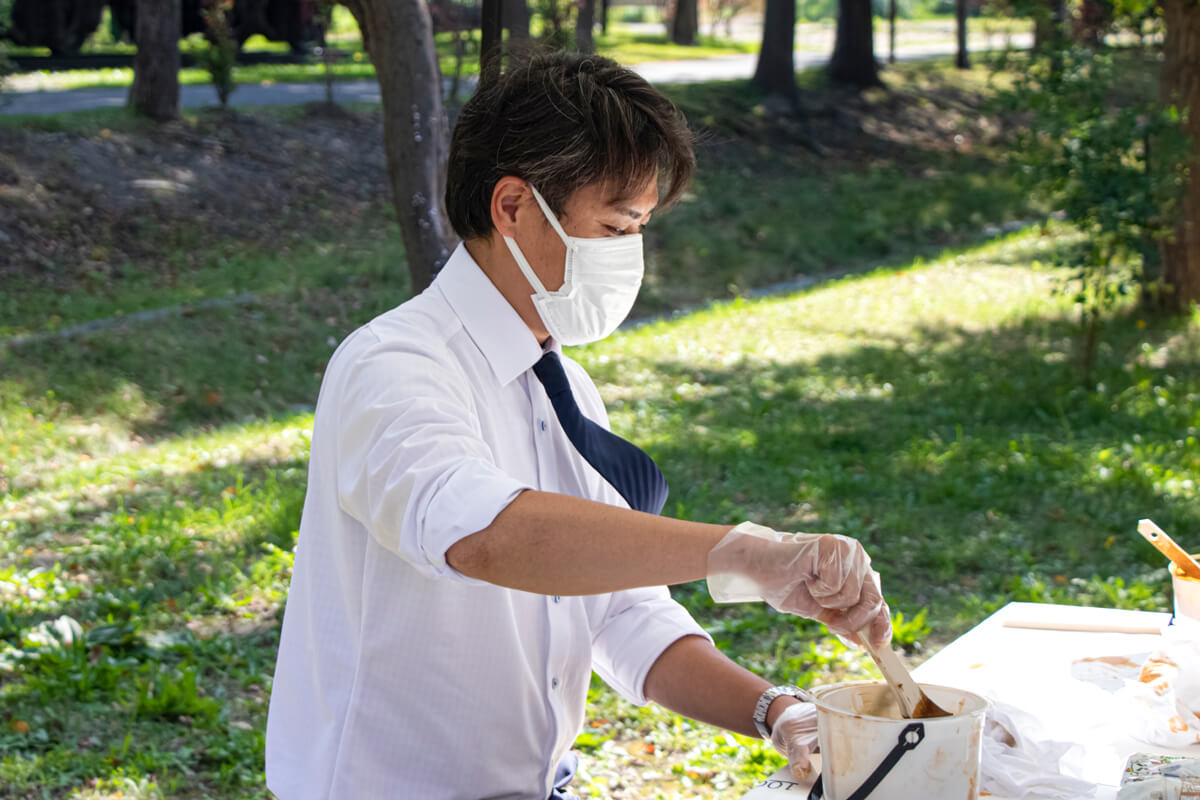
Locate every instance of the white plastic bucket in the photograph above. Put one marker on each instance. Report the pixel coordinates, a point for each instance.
(1187, 593)
(861, 732)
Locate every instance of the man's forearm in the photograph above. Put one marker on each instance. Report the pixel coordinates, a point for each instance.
(556, 544)
(695, 679)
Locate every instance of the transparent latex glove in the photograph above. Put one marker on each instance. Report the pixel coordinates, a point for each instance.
(822, 576)
(795, 737)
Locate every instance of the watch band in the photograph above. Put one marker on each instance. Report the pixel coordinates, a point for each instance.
(768, 697)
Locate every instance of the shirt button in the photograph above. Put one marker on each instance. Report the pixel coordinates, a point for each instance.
(554, 683)
(542, 424)
(557, 598)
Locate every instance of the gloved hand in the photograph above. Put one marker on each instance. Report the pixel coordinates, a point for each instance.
(795, 736)
(821, 576)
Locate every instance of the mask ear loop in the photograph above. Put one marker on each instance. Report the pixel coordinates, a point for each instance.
(538, 289)
(553, 220)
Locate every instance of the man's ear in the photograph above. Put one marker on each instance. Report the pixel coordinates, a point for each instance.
(508, 196)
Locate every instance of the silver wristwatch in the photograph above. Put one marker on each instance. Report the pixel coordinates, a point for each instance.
(768, 697)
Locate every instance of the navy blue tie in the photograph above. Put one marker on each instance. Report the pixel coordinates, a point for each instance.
(630, 471)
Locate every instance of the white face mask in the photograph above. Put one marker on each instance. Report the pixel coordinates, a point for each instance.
(600, 283)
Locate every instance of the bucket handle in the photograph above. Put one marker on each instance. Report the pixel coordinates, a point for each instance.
(909, 738)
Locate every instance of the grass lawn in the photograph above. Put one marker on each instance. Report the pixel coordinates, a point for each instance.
(152, 474)
(904, 172)
(623, 43)
(153, 484)
(625, 46)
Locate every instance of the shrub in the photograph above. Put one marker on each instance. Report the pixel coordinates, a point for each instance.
(6, 66)
(1111, 164)
(6, 69)
(220, 54)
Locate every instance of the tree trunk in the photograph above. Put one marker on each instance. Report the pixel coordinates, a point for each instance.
(416, 133)
(776, 70)
(516, 19)
(583, 27)
(1043, 31)
(961, 60)
(155, 89)
(892, 31)
(1180, 85)
(491, 40)
(686, 23)
(1048, 24)
(853, 60)
(604, 16)
(1094, 19)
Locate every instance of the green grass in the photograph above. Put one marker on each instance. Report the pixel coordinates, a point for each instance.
(771, 211)
(152, 475)
(747, 230)
(152, 487)
(319, 263)
(87, 123)
(122, 119)
(761, 210)
(944, 407)
(623, 45)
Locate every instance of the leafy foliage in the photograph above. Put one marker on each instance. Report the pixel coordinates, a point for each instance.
(6, 65)
(219, 55)
(1137, 15)
(173, 693)
(907, 632)
(558, 22)
(1114, 170)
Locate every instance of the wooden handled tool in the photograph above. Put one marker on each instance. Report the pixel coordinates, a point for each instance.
(914, 703)
(1083, 627)
(1178, 556)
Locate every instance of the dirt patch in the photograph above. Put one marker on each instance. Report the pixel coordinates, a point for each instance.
(836, 128)
(77, 206)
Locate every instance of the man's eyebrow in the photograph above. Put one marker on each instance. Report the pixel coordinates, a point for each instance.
(633, 213)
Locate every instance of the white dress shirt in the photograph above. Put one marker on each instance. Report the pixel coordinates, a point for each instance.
(397, 676)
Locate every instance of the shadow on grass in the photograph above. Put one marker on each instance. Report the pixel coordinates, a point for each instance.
(899, 172)
(964, 460)
(176, 374)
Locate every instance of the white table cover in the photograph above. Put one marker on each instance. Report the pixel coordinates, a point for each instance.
(1044, 672)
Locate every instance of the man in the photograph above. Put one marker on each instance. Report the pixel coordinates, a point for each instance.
(469, 551)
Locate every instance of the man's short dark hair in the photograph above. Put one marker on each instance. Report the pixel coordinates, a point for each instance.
(562, 121)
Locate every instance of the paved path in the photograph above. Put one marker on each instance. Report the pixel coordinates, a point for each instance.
(249, 94)
(742, 66)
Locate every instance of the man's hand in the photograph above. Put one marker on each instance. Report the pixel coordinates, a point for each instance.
(825, 577)
(795, 737)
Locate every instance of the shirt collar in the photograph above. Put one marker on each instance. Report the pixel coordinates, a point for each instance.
(506, 342)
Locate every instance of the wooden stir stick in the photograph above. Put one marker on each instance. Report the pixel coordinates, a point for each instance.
(1166, 545)
(914, 703)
